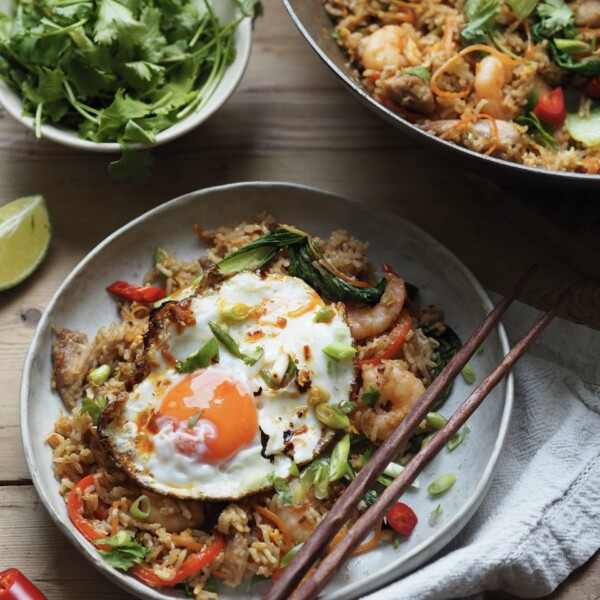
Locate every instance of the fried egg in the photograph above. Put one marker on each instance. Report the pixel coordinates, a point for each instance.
(220, 431)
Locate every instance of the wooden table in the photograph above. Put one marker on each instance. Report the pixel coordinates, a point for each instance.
(289, 120)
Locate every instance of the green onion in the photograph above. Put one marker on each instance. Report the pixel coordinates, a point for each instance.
(436, 420)
(94, 408)
(285, 561)
(294, 470)
(572, 47)
(249, 358)
(371, 396)
(236, 312)
(159, 254)
(441, 484)
(138, 511)
(321, 479)
(193, 420)
(339, 351)
(339, 459)
(370, 497)
(256, 578)
(282, 488)
(208, 354)
(365, 457)
(435, 515)
(317, 395)
(468, 374)
(427, 439)
(181, 294)
(99, 375)
(325, 315)
(327, 414)
(457, 439)
(396, 541)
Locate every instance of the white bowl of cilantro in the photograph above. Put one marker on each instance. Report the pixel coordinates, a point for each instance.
(104, 75)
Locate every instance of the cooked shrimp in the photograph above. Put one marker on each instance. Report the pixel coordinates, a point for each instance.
(175, 515)
(367, 321)
(491, 75)
(399, 391)
(383, 48)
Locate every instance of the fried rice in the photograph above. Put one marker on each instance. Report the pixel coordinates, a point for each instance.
(258, 531)
(488, 75)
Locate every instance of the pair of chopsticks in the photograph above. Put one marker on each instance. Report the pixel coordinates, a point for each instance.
(314, 548)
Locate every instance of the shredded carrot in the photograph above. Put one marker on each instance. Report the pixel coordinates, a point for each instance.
(448, 39)
(594, 165)
(200, 233)
(530, 42)
(114, 518)
(338, 536)
(475, 118)
(474, 48)
(372, 542)
(186, 542)
(220, 574)
(267, 514)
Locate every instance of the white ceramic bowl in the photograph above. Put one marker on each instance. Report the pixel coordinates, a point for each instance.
(226, 10)
(82, 304)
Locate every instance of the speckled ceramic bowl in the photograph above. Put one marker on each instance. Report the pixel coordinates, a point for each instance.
(82, 304)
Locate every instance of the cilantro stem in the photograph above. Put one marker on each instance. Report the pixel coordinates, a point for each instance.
(38, 120)
(76, 105)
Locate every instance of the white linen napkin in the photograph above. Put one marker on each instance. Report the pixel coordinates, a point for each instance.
(541, 517)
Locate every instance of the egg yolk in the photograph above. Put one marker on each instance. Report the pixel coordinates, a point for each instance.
(221, 399)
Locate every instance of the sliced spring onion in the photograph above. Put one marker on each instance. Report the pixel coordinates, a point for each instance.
(436, 420)
(183, 293)
(441, 484)
(572, 47)
(285, 561)
(321, 479)
(236, 312)
(141, 508)
(325, 315)
(396, 541)
(282, 488)
(338, 466)
(256, 578)
(208, 353)
(435, 515)
(194, 419)
(371, 396)
(457, 439)
(427, 439)
(468, 374)
(336, 419)
(249, 358)
(159, 254)
(339, 351)
(317, 395)
(294, 470)
(99, 375)
(280, 367)
(93, 407)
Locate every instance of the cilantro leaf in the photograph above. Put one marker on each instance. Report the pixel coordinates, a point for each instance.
(115, 21)
(555, 17)
(536, 130)
(481, 15)
(125, 552)
(132, 165)
(93, 407)
(420, 71)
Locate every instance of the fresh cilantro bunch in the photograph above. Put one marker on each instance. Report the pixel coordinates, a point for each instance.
(116, 70)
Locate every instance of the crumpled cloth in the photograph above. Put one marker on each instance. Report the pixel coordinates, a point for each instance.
(541, 517)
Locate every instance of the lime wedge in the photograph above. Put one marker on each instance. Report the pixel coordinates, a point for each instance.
(25, 234)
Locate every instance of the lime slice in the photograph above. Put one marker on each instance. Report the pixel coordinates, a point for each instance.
(25, 234)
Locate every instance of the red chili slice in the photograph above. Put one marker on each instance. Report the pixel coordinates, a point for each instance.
(402, 518)
(15, 586)
(396, 336)
(551, 108)
(592, 89)
(134, 293)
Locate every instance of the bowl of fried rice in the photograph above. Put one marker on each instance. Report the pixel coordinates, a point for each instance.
(235, 310)
(512, 86)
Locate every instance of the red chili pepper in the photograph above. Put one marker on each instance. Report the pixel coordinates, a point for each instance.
(592, 89)
(135, 293)
(397, 337)
(402, 518)
(75, 509)
(192, 564)
(15, 586)
(551, 108)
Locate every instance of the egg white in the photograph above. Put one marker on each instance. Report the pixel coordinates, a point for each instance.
(292, 430)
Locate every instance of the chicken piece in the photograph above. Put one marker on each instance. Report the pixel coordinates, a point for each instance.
(410, 92)
(71, 357)
(587, 14)
(509, 133)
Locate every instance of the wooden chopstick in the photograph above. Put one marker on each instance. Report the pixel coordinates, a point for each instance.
(366, 477)
(333, 561)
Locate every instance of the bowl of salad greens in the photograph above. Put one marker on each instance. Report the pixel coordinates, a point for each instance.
(106, 75)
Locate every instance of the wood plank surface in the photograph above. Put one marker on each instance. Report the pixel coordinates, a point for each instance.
(290, 120)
